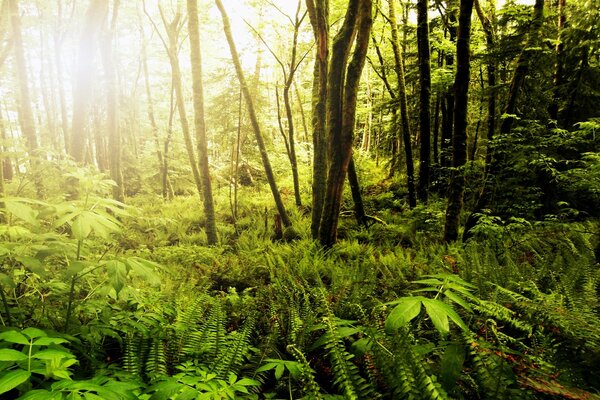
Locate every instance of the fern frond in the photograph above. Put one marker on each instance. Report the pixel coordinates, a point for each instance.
(236, 351)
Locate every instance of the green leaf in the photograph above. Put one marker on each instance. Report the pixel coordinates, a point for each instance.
(451, 365)
(33, 333)
(12, 379)
(279, 371)
(41, 394)
(438, 315)
(12, 355)
(47, 341)
(407, 309)
(14, 337)
(457, 299)
(7, 281)
(21, 211)
(32, 263)
(82, 225)
(117, 272)
(49, 354)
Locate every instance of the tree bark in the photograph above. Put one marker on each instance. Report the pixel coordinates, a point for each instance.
(173, 29)
(319, 16)
(253, 119)
(341, 108)
(199, 122)
(25, 110)
(559, 70)
(448, 120)
(406, 137)
(424, 97)
(359, 207)
(459, 139)
(493, 162)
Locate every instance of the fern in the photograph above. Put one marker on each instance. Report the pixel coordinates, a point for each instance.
(237, 350)
(208, 338)
(309, 384)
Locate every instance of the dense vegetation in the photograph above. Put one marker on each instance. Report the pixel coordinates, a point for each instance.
(146, 259)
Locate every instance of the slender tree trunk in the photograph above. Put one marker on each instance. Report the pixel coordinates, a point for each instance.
(359, 208)
(319, 17)
(253, 119)
(406, 138)
(26, 118)
(173, 29)
(112, 108)
(559, 70)
(151, 117)
(459, 139)
(436, 129)
(523, 67)
(6, 164)
(493, 162)
(341, 108)
(302, 113)
(196, 61)
(94, 19)
(448, 121)
(425, 95)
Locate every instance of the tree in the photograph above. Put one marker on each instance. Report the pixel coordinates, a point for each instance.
(289, 71)
(494, 161)
(406, 138)
(459, 139)
(173, 28)
(341, 108)
(26, 119)
(200, 125)
(424, 97)
(318, 12)
(253, 118)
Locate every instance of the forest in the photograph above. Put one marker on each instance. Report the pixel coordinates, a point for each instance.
(299, 199)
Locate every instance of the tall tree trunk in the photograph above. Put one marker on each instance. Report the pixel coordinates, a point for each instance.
(26, 118)
(253, 119)
(196, 61)
(406, 138)
(559, 70)
(112, 108)
(424, 97)
(459, 139)
(448, 121)
(341, 108)
(151, 117)
(319, 17)
(288, 106)
(436, 129)
(94, 19)
(173, 29)
(359, 208)
(494, 162)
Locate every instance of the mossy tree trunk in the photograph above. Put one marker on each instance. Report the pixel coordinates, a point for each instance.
(341, 108)
(459, 138)
(318, 11)
(424, 97)
(199, 122)
(406, 137)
